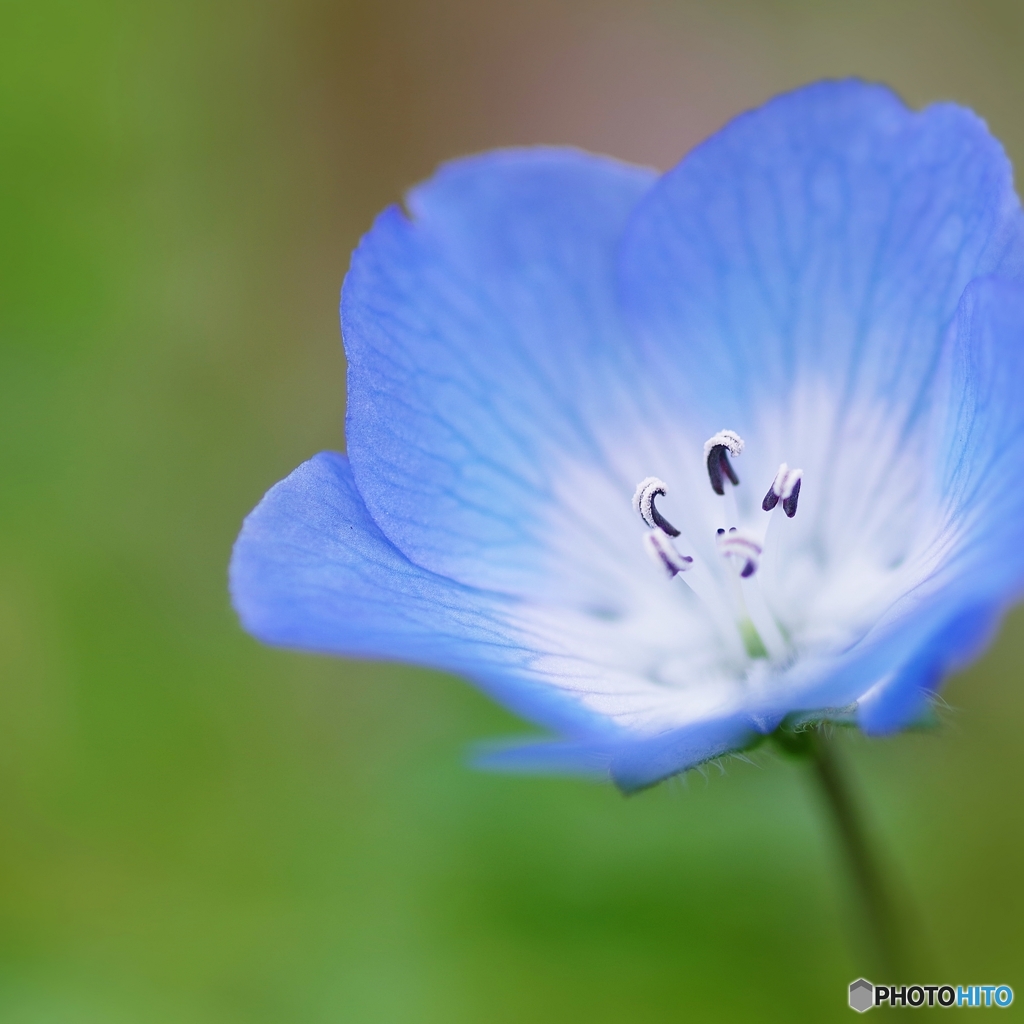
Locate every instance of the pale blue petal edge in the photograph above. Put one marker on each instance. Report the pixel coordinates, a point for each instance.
(824, 237)
(983, 485)
(311, 570)
(483, 339)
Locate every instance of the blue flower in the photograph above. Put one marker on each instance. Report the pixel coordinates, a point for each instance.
(578, 397)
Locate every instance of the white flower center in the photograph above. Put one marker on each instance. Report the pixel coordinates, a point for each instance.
(695, 610)
(742, 551)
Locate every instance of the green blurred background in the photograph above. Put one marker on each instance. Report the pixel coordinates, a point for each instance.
(196, 828)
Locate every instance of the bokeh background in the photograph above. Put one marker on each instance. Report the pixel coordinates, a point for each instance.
(197, 829)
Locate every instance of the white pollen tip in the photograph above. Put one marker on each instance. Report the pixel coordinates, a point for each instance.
(727, 438)
(785, 480)
(659, 547)
(643, 499)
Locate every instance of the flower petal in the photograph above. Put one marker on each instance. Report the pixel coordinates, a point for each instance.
(977, 553)
(822, 241)
(635, 762)
(311, 570)
(981, 480)
(904, 697)
(484, 351)
(982, 447)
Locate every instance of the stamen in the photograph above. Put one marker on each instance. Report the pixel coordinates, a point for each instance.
(717, 450)
(738, 545)
(643, 502)
(786, 486)
(663, 552)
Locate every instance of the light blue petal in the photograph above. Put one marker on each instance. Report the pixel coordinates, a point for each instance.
(483, 344)
(981, 477)
(906, 696)
(823, 239)
(982, 471)
(633, 763)
(311, 570)
(639, 765)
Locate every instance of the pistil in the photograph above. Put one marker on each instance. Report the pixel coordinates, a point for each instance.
(743, 553)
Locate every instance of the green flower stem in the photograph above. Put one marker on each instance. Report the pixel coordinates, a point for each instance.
(874, 894)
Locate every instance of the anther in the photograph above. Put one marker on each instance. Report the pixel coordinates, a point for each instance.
(785, 486)
(717, 450)
(739, 545)
(658, 544)
(643, 502)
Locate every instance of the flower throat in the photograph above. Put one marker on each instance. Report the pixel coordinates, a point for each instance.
(741, 551)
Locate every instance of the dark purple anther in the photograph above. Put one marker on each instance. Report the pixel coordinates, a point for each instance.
(719, 464)
(789, 503)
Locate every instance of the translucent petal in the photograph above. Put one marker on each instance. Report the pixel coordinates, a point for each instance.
(822, 241)
(485, 352)
(311, 570)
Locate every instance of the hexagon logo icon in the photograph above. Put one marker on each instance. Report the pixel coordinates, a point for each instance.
(862, 995)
